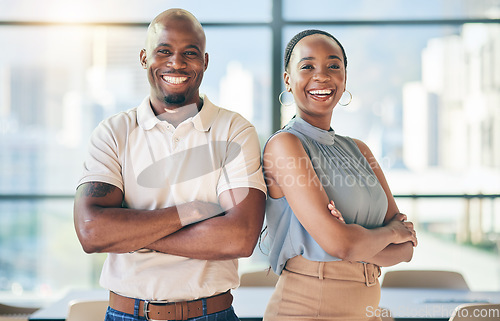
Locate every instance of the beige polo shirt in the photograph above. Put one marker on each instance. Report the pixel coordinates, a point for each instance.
(157, 165)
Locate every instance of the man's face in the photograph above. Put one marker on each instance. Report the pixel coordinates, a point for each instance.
(176, 60)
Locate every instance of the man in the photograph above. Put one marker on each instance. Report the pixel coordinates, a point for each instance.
(172, 189)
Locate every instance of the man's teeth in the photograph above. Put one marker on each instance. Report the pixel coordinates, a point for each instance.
(320, 92)
(174, 80)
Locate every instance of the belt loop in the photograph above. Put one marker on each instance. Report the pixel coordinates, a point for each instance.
(181, 310)
(365, 272)
(178, 311)
(368, 275)
(136, 308)
(185, 310)
(321, 270)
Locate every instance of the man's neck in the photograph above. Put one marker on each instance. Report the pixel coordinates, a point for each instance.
(177, 115)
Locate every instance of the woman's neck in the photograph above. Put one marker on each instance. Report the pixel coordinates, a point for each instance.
(322, 122)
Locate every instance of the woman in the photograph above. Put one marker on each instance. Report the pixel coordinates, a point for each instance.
(328, 268)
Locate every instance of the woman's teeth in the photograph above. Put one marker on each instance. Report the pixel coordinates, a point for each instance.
(321, 92)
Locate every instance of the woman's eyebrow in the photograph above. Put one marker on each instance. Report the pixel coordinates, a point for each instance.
(306, 58)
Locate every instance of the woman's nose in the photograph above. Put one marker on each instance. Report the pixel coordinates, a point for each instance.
(321, 75)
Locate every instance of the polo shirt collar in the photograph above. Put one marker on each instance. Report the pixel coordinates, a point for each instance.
(202, 121)
(146, 118)
(206, 117)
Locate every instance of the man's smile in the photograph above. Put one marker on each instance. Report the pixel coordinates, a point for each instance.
(174, 80)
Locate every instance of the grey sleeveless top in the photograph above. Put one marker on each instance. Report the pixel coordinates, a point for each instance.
(348, 180)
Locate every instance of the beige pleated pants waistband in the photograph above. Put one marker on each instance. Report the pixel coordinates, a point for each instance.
(339, 290)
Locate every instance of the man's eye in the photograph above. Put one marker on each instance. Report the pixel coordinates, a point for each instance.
(191, 53)
(164, 51)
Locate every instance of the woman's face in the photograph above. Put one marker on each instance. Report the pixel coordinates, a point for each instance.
(316, 76)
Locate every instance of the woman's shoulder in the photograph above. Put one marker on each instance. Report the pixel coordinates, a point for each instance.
(363, 148)
(282, 140)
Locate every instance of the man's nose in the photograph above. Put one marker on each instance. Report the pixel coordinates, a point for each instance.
(176, 61)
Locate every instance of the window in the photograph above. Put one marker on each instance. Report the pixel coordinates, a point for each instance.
(132, 11)
(425, 83)
(338, 11)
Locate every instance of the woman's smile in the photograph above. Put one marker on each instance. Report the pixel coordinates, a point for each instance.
(321, 94)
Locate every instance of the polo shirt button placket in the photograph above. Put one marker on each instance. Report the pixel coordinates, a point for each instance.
(165, 128)
(176, 141)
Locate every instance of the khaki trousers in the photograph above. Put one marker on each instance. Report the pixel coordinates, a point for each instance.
(339, 290)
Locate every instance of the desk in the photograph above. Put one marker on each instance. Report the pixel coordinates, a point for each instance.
(250, 302)
(430, 304)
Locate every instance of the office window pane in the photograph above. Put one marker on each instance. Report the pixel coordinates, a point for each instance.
(57, 84)
(239, 73)
(40, 255)
(327, 10)
(132, 10)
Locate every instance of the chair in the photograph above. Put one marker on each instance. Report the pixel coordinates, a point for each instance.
(80, 310)
(15, 313)
(259, 278)
(476, 312)
(424, 279)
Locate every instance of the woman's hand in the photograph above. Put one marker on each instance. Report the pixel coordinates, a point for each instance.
(403, 230)
(335, 212)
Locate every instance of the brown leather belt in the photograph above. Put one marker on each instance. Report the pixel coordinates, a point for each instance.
(158, 310)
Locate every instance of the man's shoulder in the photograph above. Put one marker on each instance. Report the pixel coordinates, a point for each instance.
(225, 119)
(121, 120)
(232, 117)
(116, 127)
(226, 113)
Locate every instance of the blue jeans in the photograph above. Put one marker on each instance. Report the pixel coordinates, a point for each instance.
(225, 315)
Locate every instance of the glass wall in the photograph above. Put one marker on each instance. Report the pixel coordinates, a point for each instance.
(426, 99)
(384, 10)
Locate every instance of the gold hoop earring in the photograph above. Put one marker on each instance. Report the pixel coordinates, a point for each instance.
(280, 99)
(350, 98)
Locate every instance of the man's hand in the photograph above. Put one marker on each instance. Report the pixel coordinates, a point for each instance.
(229, 236)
